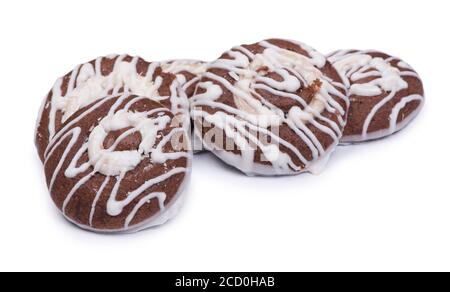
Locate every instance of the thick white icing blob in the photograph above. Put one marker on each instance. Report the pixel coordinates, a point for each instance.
(110, 162)
(386, 77)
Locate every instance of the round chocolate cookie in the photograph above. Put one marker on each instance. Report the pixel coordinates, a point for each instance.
(385, 93)
(119, 164)
(101, 77)
(272, 108)
(188, 73)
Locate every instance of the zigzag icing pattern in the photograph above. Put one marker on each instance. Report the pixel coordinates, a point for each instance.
(77, 156)
(287, 75)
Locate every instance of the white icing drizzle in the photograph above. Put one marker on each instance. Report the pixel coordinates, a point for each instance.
(177, 67)
(112, 163)
(146, 200)
(74, 134)
(253, 114)
(86, 84)
(188, 83)
(115, 207)
(97, 197)
(354, 66)
(398, 107)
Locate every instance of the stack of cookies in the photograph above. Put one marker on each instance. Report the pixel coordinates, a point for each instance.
(116, 135)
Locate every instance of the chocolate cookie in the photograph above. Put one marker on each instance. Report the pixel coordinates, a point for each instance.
(385, 93)
(102, 77)
(272, 108)
(119, 164)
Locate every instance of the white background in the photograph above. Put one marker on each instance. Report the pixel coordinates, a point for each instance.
(383, 206)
